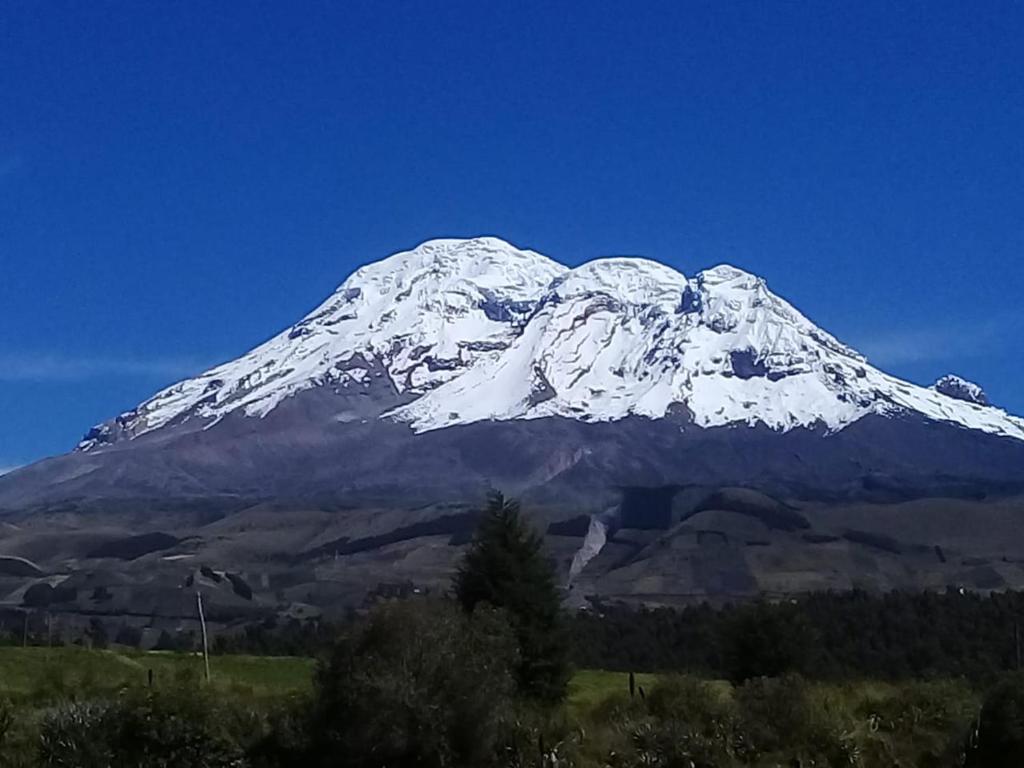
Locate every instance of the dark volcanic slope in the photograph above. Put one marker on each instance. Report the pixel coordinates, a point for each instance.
(293, 454)
(316, 514)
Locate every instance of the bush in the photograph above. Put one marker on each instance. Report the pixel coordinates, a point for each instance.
(8, 748)
(618, 709)
(920, 724)
(534, 738)
(999, 740)
(286, 735)
(682, 722)
(689, 724)
(692, 701)
(139, 730)
(417, 683)
(675, 744)
(785, 719)
(6, 720)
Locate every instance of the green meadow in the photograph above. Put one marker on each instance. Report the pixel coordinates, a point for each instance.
(36, 674)
(42, 674)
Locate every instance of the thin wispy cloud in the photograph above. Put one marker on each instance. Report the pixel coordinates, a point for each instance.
(7, 468)
(56, 368)
(933, 344)
(920, 346)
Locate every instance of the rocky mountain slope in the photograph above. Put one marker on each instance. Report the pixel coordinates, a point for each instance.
(676, 436)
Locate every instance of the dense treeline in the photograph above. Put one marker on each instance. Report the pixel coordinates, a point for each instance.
(898, 635)
(273, 638)
(830, 635)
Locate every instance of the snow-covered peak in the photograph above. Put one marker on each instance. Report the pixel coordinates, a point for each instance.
(635, 280)
(409, 322)
(486, 263)
(457, 331)
(961, 389)
(738, 302)
(434, 298)
(727, 273)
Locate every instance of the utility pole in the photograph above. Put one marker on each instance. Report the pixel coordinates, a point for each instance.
(1016, 640)
(202, 626)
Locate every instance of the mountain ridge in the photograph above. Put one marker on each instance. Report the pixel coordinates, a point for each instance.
(442, 323)
(675, 437)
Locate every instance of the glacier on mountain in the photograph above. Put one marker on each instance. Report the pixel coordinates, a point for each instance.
(462, 331)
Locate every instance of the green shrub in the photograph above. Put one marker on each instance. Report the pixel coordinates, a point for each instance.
(417, 683)
(538, 738)
(15, 748)
(139, 730)
(78, 735)
(618, 709)
(676, 744)
(999, 740)
(285, 734)
(785, 718)
(920, 724)
(683, 722)
(690, 700)
(6, 721)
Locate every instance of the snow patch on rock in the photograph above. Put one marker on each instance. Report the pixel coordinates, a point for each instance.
(961, 389)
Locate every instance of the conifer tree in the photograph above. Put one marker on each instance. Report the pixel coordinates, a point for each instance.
(505, 567)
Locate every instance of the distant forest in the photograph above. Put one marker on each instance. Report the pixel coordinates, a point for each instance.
(830, 636)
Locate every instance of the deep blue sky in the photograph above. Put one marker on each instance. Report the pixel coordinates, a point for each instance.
(178, 181)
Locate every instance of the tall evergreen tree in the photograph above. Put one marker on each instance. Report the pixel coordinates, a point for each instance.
(505, 567)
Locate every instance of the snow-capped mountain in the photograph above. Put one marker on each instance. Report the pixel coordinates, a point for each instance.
(417, 319)
(464, 331)
(674, 435)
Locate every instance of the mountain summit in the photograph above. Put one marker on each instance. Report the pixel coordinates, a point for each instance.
(455, 332)
(675, 437)
(415, 319)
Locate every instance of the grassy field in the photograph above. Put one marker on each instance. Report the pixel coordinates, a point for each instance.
(42, 673)
(590, 686)
(39, 673)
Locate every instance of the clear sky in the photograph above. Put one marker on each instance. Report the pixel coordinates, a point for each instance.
(180, 180)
